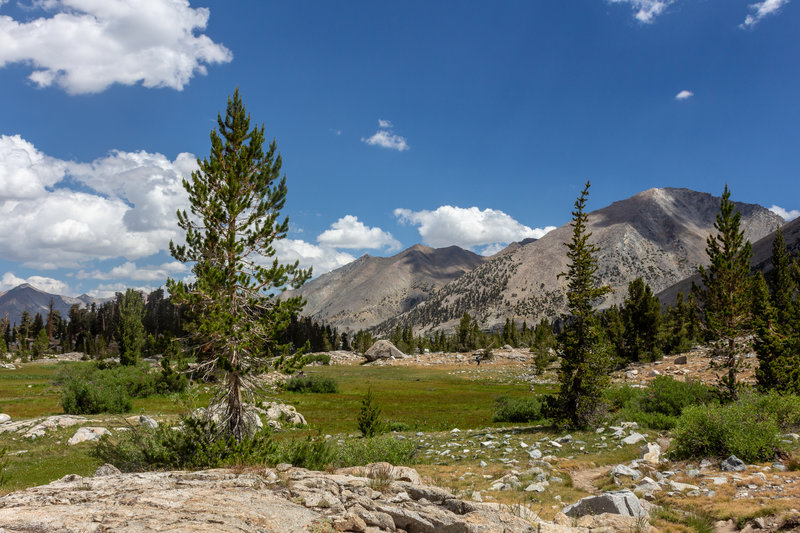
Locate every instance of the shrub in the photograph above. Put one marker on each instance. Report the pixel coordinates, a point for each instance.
(194, 446)
(747, 428)
(316, 384)
(310, 453)
(385, 448)
(323, 358)
(668, 396)
(507, 409)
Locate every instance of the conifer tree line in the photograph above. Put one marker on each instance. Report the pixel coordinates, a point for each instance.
(144, 323)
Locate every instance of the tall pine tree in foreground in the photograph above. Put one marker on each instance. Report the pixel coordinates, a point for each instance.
(130, 330)
(725, 294)
(234, 317)
(586, 356)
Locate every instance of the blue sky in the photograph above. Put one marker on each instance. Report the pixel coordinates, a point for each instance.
(466, 123)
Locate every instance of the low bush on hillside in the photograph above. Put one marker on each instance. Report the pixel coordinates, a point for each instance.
(108, 388)
(660, 404)
(194, 446)
(317, 384)
(748, 428)
(321, 358)
(508, 409)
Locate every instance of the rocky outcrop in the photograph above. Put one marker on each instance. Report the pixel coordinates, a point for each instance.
(281, 500)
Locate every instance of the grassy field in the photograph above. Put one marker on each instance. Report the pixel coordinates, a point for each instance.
(427, 399)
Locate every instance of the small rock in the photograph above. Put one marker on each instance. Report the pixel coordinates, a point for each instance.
(535, 453)
(680, 360)
(148, 422)
(681, 487)
(622, 470)
(87, 434)
(634, 438)
(653, 373)
(4, 418)
(107, 470)
(733, 464)
(622, 502)
(536, 487)
(651, 453)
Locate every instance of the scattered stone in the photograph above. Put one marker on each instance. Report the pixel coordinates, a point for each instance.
(680, 360)
(622, 502)
(681, 487)
(651, 453)
(107, 470)
(566, 439)
(4, 418)
(733, 464)
(634, 438)
(537, 487)
(148, 422)
(535, 453)
(622, 470)
(653, 373)
(87, 434)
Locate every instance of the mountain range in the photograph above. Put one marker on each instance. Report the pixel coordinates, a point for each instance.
(28, 298)
(658, 234)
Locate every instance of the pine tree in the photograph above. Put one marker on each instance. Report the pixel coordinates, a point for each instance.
(641, 315)
(130, 331)
(725, 294)
(777, 324)
(234, 319)
(585, 354)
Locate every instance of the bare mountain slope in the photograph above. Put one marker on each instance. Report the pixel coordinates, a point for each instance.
(761, 260)
(370, 290)
(658, 234)
(26, 297)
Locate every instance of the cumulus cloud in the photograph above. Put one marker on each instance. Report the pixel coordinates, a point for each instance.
(646, 11)
(128, 211)
(53, 286)
(784, 213)
(761, 10)
(684, 95)
(349, 232)
(467, 227)
(129, 270)
(88, 45)
(322, 258)
(386, 138)
(109, 290)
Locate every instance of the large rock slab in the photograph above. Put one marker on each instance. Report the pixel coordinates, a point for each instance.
(383, 349)
(288, 500)
(621, 502)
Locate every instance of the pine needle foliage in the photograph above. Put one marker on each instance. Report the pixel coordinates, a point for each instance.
(725, 294)
(586, 356)
(234, 316)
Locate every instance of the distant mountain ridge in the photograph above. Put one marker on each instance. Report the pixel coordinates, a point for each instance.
(658, 234)
(370, 290)
(26, 297)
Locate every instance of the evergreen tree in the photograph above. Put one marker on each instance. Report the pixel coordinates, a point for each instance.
(641, 315)
(130, 330)
(41, 344)
(777, 325)
(585, 353)
(681, 329)
(725, 294)
(234, 321)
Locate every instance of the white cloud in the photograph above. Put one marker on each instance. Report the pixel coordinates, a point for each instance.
(88, 45)
(349, 232)
(386, 138)
(53, 286)
(785, 214)
(129, 210)
(761, 10)
(684, 95)
(492, 249)
(322, 258)
(109, 290)
(468, 227)
(129, 270)
(646, 10)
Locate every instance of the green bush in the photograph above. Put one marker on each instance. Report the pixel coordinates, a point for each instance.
(323, 358)
(384, 448)
(316, 384)
(369, 417)
(668, 396)
(508, 409)
(659, 405)
(194, 446)
(747, 428)
(310, 453)
(106, 387)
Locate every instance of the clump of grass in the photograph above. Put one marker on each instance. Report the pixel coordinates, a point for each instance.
(312, 383)
(384, 448)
